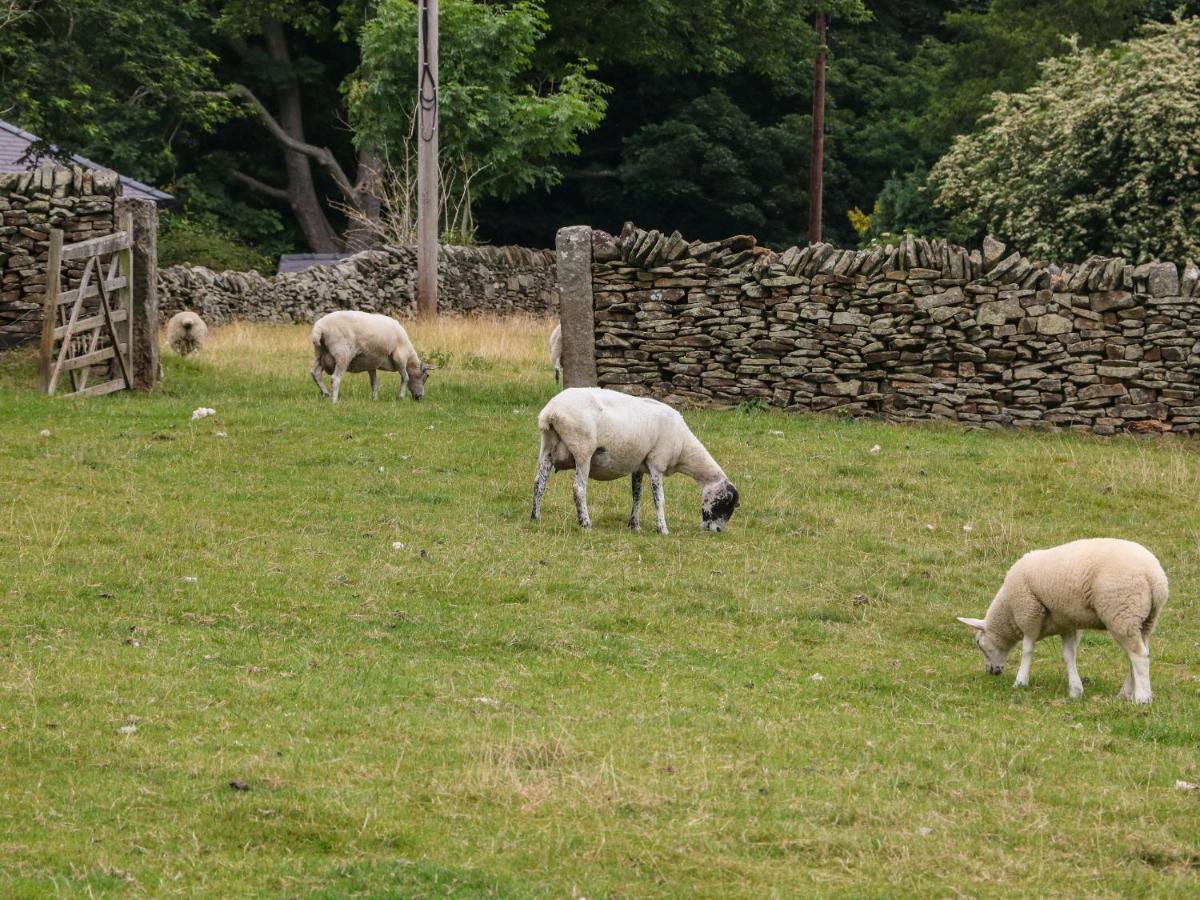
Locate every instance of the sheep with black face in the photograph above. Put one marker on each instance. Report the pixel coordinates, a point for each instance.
(605, 435)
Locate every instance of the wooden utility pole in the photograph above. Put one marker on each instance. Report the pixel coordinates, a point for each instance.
(816, 176)
(427, 158)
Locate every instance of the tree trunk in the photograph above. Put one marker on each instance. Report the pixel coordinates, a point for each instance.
(816, 178)
(301, 192)
(362, 235)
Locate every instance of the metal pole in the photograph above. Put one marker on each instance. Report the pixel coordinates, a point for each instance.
(427, 158)
(816, 177)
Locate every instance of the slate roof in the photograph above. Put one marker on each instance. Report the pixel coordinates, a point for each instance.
(15, 143)
(298, 262)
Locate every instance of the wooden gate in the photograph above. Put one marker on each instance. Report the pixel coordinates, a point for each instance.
(89, 327)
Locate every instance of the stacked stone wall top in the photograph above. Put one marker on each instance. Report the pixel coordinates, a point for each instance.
(921, 330)
(471, 280)
(77, 200)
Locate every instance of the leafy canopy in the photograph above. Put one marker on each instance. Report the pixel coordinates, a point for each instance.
(500, 126)
(1100, 156)
(122, 81)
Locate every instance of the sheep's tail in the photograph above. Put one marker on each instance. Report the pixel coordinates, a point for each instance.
(550, 438)
(1158, 599)
(318, 339)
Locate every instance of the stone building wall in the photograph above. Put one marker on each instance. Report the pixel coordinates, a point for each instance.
(79, 201)
(470, 280)
(920, 331)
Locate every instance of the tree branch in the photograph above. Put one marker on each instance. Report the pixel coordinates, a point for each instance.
(323, 155)
(261, 186)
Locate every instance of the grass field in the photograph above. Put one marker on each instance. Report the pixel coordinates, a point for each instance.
(503, 708)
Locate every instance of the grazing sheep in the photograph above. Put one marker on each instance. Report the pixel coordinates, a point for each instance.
(186, 333)
(605, 434)
(1100, 583)
(556, 351)
(352, 341)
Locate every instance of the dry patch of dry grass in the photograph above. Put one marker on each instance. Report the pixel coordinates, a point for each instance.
(517, 344)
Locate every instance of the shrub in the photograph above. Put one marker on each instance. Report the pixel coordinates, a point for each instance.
(183, 240)
(1099, 157)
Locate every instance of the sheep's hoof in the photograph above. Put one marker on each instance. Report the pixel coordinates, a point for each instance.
(663, 531)
(1076, 694)
(635, 526)
(1144, 700)
(1020, 684)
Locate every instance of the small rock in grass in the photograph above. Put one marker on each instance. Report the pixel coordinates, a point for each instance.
(127, 729)
(397, 545)
(189, 579)
(861, 600)
(45, 432)
(1187, 786)
(968, 528)
(239, 785)
(875, 449)
(381, 468)
(929, 527)
(221, 434)
(203, 412)
(816, 676)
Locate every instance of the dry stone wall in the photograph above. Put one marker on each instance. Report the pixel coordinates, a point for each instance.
(920, 331)
(79, 201)
(471, 280)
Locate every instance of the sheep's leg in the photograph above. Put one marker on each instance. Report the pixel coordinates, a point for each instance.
(1127, 688)
(339, 370)
(656, 492)
(1027, 645)
(545, 468)
(1137, 683)
(403, 384)
(374, 375)
(583, 465)
(1070, 645)
(635, 517)
(317, 372)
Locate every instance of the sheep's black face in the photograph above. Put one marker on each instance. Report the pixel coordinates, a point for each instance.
(717, 507)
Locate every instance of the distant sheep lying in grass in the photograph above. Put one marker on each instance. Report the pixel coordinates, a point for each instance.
(1100, 583)
(556, 351)
(605, 434)
(186, 333)
(352, 341)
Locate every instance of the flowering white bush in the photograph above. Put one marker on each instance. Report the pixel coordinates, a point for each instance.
(1101, 156)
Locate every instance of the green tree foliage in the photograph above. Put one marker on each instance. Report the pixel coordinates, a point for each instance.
(501, 124)
(1100, 156)
(713, 170)
(121, 81)
(766, 37)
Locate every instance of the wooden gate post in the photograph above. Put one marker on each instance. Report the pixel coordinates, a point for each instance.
(574, 273)
(50, 310)
(143, 292)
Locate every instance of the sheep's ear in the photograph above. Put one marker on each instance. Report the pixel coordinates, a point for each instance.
(977, 624)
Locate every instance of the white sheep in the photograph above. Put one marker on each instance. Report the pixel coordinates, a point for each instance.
(186, 332)
(351, 341)
(605, 434)
(1101, 583)
(556, 351)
